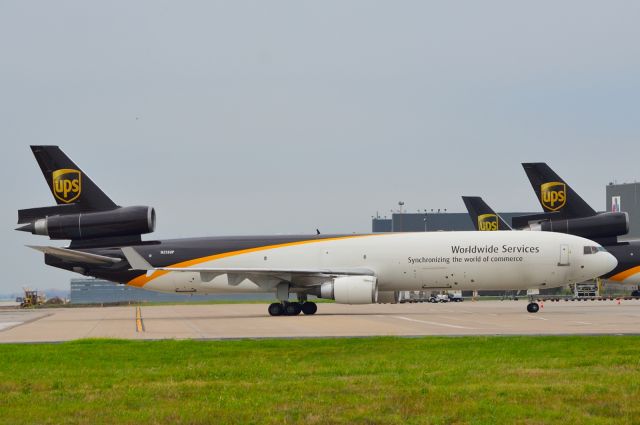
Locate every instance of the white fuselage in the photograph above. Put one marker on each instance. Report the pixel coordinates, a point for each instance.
(414, 261)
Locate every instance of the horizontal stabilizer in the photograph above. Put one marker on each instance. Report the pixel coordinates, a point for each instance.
(76, 256)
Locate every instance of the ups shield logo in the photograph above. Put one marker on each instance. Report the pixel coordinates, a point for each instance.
(67, 185)
(488, 222)
(553, 195)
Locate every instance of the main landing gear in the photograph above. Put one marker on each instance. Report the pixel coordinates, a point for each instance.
(292, 309)
(533, 307)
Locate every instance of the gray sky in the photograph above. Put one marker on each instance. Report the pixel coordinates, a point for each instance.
(284, 116)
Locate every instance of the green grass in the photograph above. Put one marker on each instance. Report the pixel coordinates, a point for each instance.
(475, 380)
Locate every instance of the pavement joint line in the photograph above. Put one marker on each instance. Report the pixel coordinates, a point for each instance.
(9, 325)
(33, 319)
(194, 328)
(431, 323)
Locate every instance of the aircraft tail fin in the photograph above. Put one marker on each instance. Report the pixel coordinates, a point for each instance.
(482, 215)
(554, 194)
(69, 185)
(84, 214)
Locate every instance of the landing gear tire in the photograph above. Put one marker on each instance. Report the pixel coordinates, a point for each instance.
(276, 309)
(533, 307)
(309, 308)
(292, 309)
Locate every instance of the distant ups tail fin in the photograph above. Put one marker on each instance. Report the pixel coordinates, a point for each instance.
(554, 194)
(482, 216)
(68, 183)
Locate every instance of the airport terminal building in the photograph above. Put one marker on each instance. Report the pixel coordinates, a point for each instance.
(98, 291)
(429, 221)
(626, 197)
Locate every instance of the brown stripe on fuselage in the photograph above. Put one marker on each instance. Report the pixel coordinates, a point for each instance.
(142, 280)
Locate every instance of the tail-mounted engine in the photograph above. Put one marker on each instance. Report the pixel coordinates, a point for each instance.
(123, 221)
(599, 226)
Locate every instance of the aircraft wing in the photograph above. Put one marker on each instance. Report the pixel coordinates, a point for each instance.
(207, 274)
(72, 255)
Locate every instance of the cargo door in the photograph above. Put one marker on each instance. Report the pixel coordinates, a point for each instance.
(564, 255)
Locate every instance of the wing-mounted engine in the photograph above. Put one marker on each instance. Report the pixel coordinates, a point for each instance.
(350, 290)
(604, 225)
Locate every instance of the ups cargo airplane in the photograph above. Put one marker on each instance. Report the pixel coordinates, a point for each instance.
(567, 212)
(571, 214)
(351, 269)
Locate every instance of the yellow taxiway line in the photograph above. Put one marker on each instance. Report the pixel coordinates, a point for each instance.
(139, 323)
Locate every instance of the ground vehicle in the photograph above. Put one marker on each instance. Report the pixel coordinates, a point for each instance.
(439, 298)
(457, 298)
(32, 298)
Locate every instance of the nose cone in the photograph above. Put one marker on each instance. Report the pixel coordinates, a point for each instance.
(599, 264)
(609, 262)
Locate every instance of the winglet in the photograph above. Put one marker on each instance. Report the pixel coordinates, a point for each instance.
(136, 261)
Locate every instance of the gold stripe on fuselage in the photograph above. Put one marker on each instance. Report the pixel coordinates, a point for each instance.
(142, 280)
(625, 274)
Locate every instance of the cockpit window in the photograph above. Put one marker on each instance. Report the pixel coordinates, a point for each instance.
(593, 249)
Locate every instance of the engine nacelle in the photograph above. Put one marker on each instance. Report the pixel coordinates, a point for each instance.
(125, 221)
(351, 290)
(388, 297)
(603, 225)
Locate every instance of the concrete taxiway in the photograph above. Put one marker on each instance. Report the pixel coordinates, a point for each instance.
(221, 321)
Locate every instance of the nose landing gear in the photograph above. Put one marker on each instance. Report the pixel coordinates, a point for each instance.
(533, 307)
